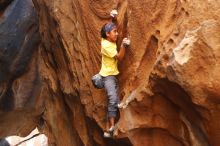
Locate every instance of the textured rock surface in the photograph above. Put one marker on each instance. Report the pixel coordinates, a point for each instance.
(169, 79)
(19, 77)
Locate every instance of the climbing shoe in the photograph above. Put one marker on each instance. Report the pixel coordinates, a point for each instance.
(111, 129)
(108, 135)
(122, 105)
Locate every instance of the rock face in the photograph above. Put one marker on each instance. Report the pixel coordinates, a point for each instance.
(19, 77)
(169, 79)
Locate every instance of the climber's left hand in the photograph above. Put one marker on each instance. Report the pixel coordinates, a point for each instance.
(114, 13)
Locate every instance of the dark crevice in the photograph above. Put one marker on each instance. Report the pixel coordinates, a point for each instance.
(7, 99)
(149, 56)
(73, 101)
(4, 4)
(176, 95)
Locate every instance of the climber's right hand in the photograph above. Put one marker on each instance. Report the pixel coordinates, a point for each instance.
(126, 42)
(114, 13)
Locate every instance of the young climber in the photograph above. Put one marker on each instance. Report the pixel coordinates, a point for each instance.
(109, 71)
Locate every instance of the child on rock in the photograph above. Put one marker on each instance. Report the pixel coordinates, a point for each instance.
(109, 70)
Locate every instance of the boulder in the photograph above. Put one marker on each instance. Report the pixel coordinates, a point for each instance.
(20, 82)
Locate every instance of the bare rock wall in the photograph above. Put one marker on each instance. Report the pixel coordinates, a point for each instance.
(169, 79)
(20, 81)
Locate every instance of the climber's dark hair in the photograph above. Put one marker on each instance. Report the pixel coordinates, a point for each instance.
(107, 28)
(103, 33)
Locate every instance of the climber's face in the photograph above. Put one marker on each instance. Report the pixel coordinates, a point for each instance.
(112, 35)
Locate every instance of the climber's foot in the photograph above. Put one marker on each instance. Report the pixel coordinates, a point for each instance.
(122, 105)
(111, 129)
(108, 134)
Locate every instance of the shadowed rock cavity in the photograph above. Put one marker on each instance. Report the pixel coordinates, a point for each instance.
(4, 4)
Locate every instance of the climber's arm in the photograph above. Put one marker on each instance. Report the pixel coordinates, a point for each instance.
(120, 55)
(114, 14)
(125, 44)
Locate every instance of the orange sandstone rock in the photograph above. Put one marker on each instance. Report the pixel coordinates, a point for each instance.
(169, 78)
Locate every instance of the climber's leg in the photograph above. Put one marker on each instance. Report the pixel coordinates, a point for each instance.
(112, 121)
(111, 86)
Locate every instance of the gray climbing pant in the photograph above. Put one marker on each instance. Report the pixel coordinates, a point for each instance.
(111, 87)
